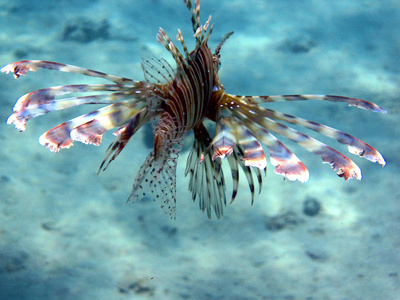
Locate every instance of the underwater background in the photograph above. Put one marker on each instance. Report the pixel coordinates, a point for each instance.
(66, 233)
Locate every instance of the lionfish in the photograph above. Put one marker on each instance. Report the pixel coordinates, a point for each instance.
(176, 101)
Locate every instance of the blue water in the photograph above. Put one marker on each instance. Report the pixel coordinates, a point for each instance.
(66, 233)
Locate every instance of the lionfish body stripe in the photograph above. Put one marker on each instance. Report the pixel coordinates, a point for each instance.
(176, 101)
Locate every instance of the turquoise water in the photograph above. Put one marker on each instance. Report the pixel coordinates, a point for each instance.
(66, 233)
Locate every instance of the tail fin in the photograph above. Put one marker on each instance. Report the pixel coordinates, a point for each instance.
(158, 176)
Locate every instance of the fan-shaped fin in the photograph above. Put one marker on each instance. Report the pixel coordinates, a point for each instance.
(48, 95)
(32, 110)
(346, 168)
(355, 145)
(88, 128)
(285, 162)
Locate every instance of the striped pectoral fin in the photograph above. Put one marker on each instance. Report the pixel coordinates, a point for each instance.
(254, 155)
(234, 141)
(224, 140)
(38, 103)
(285, 162)
(57, 138)
(359, 103)
(230, 131)
(22, 67)
(351, 101)
(355, 145)
(60, 137)
(103, 119)
(123, 135)
(48, 95)
(91, 132)
(63, 135)
(346, 168)
(88, 128)
(368, 153)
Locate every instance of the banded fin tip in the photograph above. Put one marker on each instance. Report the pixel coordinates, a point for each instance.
(19, 124)
(291, 168)
(88, 133)
(12, 68)
(345, 167)
(53, 146)
(370, 154)
(20, 68)
(57, 138)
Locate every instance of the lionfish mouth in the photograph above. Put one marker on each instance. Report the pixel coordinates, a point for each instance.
(176, 101)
